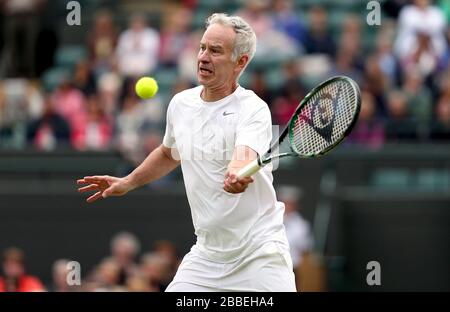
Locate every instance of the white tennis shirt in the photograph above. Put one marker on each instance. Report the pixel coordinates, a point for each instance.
(203, 135)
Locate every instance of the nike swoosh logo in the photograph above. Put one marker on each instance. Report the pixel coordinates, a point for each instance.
(226, 114)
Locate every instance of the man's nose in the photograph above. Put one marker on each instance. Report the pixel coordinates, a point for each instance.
(203, 56)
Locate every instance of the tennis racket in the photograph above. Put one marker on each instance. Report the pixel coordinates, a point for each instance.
(321, 121)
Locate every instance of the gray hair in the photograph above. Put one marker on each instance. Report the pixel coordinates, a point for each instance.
(128, 238)
(245, 42)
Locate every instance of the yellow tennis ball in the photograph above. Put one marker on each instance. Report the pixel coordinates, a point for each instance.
(146, 87)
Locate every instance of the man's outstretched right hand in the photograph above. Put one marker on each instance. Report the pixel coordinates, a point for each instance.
(104, 186)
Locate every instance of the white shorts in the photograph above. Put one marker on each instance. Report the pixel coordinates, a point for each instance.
(268, 268)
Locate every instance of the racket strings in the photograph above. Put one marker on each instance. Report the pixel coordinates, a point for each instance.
(324, 119)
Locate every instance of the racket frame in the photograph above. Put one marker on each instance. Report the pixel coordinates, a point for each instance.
(310, 95)
(263, 160)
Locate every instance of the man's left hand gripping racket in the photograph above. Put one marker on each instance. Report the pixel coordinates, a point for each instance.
(321, 121)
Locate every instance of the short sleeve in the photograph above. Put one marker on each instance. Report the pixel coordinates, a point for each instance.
(169, 137)
(254, 129)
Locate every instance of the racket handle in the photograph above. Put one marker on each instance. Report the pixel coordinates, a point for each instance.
(249, 169)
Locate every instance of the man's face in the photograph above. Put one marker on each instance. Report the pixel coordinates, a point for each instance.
(214, 64)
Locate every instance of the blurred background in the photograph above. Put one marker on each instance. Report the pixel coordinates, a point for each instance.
(68, 109)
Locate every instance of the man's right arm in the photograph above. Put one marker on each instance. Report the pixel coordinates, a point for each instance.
(158, 164)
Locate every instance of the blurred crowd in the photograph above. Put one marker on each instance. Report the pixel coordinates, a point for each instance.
(402, 67)
(130, 267)
(125, 269)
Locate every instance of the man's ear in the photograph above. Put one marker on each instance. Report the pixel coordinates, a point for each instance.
(242, 61)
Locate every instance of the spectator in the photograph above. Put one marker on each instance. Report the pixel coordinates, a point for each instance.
(50, 130)
(84, 79)
(292, 91)
(440, 129)
(69, 102)
(137, 51)
(419, 100)
(318, 39)
(445, 60)
(298, 230)
(400, 126)
(187, 60)
(345, 65)
(285, 20)
(107, 277)
(34, 99)
(128, 125)
(256, 13)
(375, 82)
(420, 38)
(175, 36)
(137, 119)
(369, 129)
(385, 58)
(156, 267)
(350, 41)
(168, 250)
(94, 132)
(21, 30)
(59, 277)
(109, 87)
(285, 105)
(444, 86)
(351, 26)
(124, 250)
(20, 101)
(137, 282)
(423, 58)
(102, 42)
(258, 84)
(15, 278)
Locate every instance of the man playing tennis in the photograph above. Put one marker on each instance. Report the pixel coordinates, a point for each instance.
(214, 130)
